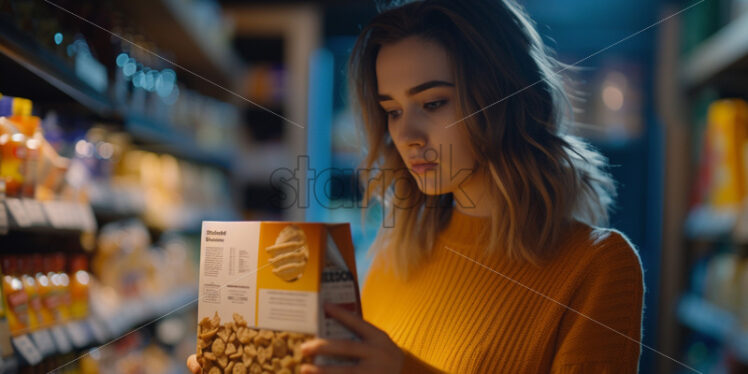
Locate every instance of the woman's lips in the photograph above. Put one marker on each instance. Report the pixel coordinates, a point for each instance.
(422, 168)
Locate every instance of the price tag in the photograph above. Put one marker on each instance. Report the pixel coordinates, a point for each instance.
(35, 212)
(18, 212)
(49, 210)
(27, 349)
(61, 340)
(87, 218)
(97, 330)
(75, 216)
(78, 334)
(43, 340)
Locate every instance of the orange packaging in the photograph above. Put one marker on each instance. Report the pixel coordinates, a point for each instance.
(727, 134)
(15, 300)
(79, 282)
(44, 289)
(57, 298)
(263, 286)
(20, 147)
(29, 285)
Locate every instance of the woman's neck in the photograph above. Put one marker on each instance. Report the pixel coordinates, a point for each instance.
(473, 198)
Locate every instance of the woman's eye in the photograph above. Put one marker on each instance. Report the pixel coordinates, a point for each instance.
(434, 104)
(393, 113)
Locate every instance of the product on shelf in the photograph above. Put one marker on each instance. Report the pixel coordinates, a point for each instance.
(13, 143)
(57, 297)
(262, 288)
(15, 298)
(34, 300)
(34, 267)
(28, 163)
(725, 159)
(79, 286)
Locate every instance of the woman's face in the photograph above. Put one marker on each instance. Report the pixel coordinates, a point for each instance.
(417, 92)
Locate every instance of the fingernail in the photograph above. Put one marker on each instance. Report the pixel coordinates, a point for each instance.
(308, 369)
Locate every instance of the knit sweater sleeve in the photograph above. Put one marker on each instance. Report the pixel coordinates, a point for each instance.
(601, 330)
(413, 364)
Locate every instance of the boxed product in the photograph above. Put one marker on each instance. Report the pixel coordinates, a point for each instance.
(263, 286)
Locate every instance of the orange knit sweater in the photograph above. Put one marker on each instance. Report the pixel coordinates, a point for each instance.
(465, 312)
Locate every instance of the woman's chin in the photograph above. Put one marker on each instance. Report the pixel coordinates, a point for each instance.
(430, 189)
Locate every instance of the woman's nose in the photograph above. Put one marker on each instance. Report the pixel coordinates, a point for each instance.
(411, 133)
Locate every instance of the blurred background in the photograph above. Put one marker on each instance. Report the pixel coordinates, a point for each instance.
(123, 125)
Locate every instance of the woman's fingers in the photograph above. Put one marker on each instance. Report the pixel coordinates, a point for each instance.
(333, 347)
(193, 365)
(352, 321)
(312, 369)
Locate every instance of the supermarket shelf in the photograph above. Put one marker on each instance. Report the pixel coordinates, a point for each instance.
(193, 48)
(706, 223)
(27, 53)
(54, 217)
(715, 322)
(9, 365)
(51, 70)
(99, 328)
(161, 138)
(133, 313)
(723, 51)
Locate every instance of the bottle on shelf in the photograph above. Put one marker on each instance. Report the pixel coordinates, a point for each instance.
(79, 286)
(15, 300)
(13, 145)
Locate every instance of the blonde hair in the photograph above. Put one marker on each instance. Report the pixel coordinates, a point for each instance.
(544, 178)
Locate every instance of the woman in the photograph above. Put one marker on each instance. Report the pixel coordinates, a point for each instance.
(490, 259)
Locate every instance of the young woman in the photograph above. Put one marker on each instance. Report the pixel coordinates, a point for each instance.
(491, 258)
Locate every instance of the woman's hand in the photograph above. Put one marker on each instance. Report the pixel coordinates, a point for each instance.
(193, 365)
(376, 353)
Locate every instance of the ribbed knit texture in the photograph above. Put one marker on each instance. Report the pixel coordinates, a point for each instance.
(467, 312)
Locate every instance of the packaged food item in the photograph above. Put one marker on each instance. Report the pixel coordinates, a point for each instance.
(727, 135)
(43, 288)
(262, 289)
(29, 285)
(57, 296)
(15, 300)
(79, 286)
(13, 146)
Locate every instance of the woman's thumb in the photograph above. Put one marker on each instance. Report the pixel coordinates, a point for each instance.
(193, 365)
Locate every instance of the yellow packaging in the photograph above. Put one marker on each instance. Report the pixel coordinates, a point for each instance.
(262, 289)
(727, 132)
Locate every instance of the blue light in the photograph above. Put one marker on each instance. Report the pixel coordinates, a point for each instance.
(136, 80)
(122, 59)
(165, 82)
(149, 81)
(130, 67)
(58, 38)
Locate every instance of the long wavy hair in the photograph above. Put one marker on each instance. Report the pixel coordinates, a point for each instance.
(518, 115)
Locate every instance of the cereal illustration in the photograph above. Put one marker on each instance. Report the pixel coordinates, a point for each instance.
(274, 351)
(289, 254)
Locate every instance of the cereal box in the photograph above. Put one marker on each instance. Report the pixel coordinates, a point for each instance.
(262, 289)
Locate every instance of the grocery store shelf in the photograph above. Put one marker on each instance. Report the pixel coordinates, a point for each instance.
(27, 53)
(19, 50)
(196, 48)
(162, 138)
(120, 318)
(715, 322)
(54, 217)
(706, 223)
(722, 51)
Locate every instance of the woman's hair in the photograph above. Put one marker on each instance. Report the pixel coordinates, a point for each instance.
(517, 115)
